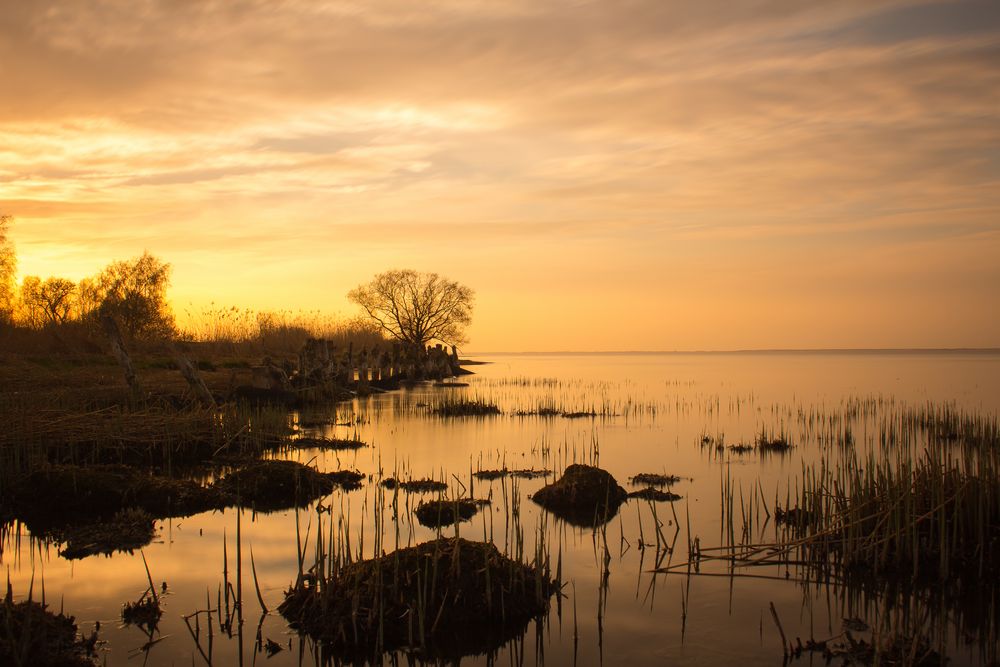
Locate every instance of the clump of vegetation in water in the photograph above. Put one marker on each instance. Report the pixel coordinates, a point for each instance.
(540, 411)
(654, 494)
(127, 530)
(100, 509)
(654, 479)
(773, 444)
(584, 495)
(435, 513)
(59, 495)
(847, 649)
(144, 612)
(466, 408)
(330, 444)
(443, 599)
(271, 485)
(524, 473)
(415, 485)
(32, 635)
(580, 414)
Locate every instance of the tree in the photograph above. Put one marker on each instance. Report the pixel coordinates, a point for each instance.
(29, 311)
(134, 292)
(416, 308)
(55, 297)
(8, 267)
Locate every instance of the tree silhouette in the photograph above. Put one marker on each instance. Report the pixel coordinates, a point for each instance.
(134, 292)
(416, 308)
(8, 266)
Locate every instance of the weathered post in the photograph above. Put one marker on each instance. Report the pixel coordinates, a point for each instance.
(194, 380)
(121, 354)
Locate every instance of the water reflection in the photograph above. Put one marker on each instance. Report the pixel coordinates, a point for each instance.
(633, 589)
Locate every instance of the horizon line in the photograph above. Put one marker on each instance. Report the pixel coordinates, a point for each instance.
(806, 350)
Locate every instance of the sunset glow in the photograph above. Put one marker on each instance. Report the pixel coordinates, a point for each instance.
(643, 175)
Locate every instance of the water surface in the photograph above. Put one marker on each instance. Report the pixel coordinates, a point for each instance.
(653, 413)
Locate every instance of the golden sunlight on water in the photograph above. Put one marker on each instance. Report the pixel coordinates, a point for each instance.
(671, 414)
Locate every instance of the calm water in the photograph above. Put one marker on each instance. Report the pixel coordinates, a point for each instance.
(654, 412)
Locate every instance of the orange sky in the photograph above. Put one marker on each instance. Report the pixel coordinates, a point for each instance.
(642, 174)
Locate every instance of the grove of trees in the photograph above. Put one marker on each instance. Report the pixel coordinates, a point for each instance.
(133, 292)
(416, 308)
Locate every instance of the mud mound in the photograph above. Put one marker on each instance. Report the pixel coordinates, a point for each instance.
(583, 496)
(447, 598)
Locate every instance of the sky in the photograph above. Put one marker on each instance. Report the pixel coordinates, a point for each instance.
(608, 175)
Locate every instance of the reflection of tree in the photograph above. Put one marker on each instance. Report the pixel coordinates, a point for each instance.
(416, 308)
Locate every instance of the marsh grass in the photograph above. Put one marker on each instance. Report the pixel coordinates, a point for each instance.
(460, 407)
(904, 522)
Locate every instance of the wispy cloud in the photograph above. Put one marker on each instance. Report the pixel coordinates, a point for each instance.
(402, 133)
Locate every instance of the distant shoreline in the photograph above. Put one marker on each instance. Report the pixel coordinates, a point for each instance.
(972, 351)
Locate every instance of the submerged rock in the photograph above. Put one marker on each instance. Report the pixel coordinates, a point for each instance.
(583, 496)
(445, 598)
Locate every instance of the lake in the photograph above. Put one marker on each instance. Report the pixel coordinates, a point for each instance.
(674, 414)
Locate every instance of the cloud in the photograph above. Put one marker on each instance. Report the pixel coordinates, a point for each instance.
(269, 130)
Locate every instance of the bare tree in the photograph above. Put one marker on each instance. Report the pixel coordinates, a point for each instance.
(56, 299)
(416, 308)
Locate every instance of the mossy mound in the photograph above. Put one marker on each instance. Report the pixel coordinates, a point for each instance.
(583, 496)
(435, 513)
(274, 485)
(32, 635)
(61, 495)
(106, 508)
(445, 598)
